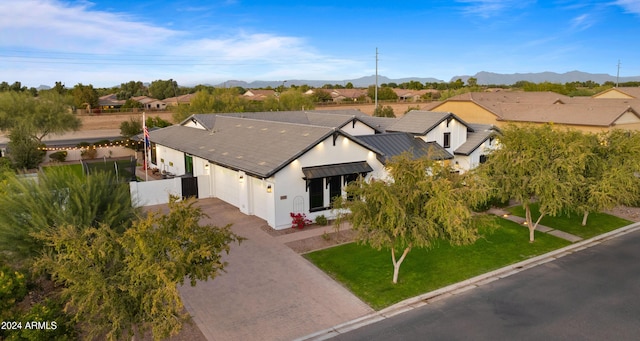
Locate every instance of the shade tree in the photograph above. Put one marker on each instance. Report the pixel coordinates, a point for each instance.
(540, 164)
(422, 202)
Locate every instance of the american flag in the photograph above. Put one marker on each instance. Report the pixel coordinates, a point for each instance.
(146, 136)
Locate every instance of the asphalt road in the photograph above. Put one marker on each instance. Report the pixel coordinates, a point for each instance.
(593, 294)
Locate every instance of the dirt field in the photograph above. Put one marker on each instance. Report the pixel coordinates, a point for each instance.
(112, 121)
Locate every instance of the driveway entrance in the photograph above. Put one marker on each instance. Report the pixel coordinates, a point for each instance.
(269, 292)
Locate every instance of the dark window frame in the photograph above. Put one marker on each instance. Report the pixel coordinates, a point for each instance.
(446, 140)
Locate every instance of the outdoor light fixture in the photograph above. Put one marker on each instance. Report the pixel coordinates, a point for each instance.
(241, 177)
(269, 189)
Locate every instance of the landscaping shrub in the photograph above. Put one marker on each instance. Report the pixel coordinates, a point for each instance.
(59, 156)
(321, 220)
(299, 220)
(13, 288)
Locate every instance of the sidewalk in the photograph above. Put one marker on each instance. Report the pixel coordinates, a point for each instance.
(464, 286)
(544, 229)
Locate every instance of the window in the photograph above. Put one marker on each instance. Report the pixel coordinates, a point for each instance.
(447, 140)
(316, 194)
(335, 187)
(483, 158)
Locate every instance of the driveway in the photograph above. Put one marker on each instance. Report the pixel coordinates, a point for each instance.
(268, 292)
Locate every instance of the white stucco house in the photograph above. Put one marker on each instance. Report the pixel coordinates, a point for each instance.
(271, 164)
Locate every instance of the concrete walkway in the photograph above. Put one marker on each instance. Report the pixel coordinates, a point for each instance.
(544, 229)
(268, 292)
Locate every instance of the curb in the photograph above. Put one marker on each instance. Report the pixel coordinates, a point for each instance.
(461, 287)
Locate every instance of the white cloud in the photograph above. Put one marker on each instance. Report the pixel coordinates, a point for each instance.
(490, 8)
(582, 22)
(50, 24)
(631, 6)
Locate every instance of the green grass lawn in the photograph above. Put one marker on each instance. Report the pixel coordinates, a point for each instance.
(368, 272)
(75, 168)
(108, 166)
(597, 223)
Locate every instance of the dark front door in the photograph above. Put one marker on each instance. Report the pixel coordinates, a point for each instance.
(189, 187)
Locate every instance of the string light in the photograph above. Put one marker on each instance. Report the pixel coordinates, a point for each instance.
(95, 146)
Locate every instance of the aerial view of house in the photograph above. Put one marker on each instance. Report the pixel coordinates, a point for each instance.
(271, 164)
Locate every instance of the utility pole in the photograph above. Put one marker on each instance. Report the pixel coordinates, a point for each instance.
(376, 90)
(618, 74)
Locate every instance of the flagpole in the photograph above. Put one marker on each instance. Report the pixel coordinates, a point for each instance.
(144, 137)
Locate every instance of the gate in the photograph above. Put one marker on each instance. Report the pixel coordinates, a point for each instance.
(189, 187)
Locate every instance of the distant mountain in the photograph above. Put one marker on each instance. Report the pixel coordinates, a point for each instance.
(361, 82)
(485, 78)
(43, 87)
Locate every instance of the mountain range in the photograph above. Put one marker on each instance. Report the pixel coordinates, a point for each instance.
(483, 78)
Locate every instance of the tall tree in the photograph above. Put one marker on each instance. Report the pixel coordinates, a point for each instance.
(29, 119)
(423, 201)
(610, 174)
(117, 284)
(83, 95)
(160, 89)
(538, 164)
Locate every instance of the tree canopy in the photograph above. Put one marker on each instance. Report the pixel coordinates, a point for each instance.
(538, 164)
(119, 284)
(422, 202)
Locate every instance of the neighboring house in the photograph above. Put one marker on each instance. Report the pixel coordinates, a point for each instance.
(583, 113)
(271, 164)
(407, 95)
(149, 103)
(259, 95)
(623, 92)
(179, 100)
(111, 101)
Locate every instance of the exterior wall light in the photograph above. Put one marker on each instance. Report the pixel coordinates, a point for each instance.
(269, 189)
(241, 178)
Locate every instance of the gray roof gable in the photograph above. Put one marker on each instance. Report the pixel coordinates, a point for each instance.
(393, 144)
(481, 132)
(322, 118)
(258, 147)
(420, 122)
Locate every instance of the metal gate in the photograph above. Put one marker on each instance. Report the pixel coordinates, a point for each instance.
(189, 187)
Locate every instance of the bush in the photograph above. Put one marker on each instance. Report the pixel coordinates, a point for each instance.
(44, 321)
(13, 288)
(321, 220)
(89, 153)
(299, 220)
(59, 156)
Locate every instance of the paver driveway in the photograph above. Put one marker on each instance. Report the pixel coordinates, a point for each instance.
(268, 292)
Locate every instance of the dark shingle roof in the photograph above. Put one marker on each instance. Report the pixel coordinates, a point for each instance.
(256, 147)
(421, 122)
(322, 118)
(481, 132)
(393, 144)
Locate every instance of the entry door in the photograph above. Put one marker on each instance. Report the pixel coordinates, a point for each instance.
(188, 164)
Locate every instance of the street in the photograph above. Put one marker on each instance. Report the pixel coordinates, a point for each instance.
(593, 294)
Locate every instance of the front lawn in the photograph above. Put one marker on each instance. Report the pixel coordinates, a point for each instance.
(368, 272)
(597, 223)
(122, 167)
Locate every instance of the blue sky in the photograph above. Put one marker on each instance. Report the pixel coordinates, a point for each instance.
(108, 42)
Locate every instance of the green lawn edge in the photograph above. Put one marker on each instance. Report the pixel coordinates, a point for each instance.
(597, 223)
(368, 272)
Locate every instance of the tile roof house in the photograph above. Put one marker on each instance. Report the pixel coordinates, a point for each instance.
(259, 95)
(179, 100)
(110, 102)
(149, 103)
(583, 113)
(271, 164)
(622, 92)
